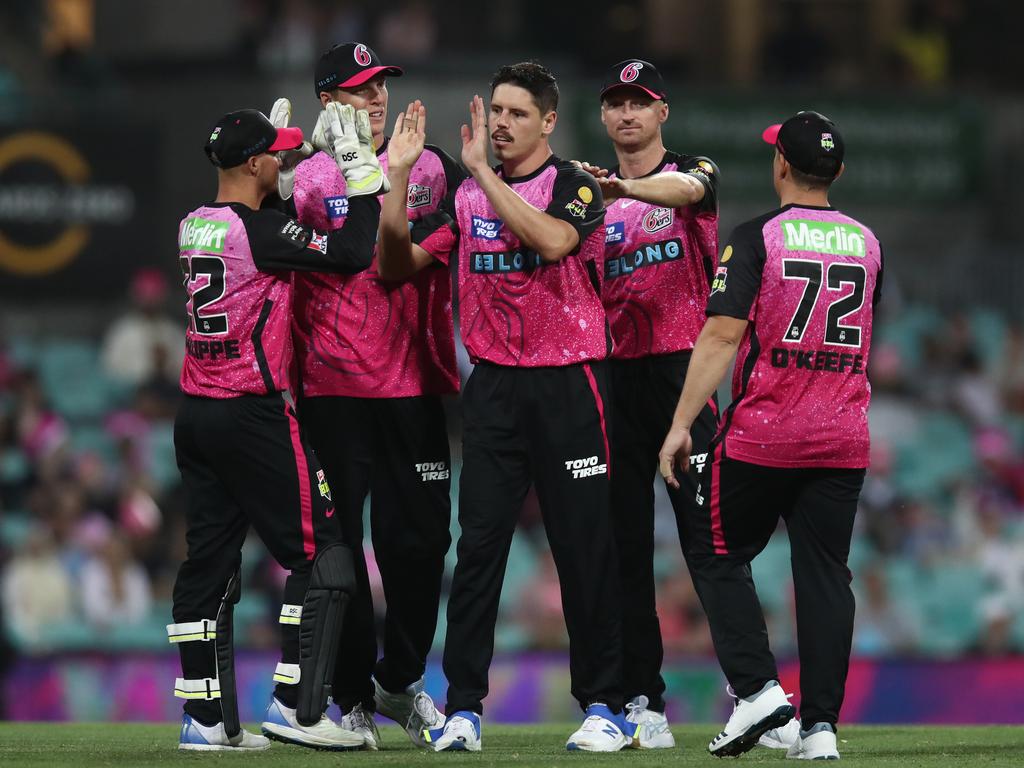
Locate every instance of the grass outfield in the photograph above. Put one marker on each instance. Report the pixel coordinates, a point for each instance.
(127, 745)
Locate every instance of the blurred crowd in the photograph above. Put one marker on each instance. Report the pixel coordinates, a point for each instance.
(92, 528)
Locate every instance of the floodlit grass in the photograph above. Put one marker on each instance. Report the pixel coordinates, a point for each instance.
(83, 745)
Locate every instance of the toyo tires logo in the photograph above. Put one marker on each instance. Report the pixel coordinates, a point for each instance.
(631, 71)
(361, 55)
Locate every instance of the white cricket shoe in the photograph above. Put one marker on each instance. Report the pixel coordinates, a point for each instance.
(819, 743)
(602, 731)
(751, 718)
(652, 731)
(413, 709)
(781, 738)
(281, 724)
(213, 738)
(358, 720)
(460, 732)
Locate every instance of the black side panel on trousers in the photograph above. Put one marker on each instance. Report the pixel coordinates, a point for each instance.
(545, 425)
(395, 449)
(645, 393)
(744, 503)
(243, 461)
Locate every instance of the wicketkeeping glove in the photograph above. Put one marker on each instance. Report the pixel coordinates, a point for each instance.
(280, 114)
(351, 139)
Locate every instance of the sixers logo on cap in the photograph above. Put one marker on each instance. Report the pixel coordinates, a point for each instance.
(631, 71)
(361, 55)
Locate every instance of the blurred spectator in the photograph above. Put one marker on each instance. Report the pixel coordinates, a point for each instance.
(797, 52)
(36, 589)
(539, 612)
(115, 590)
(144, 344)
(408, 33)
(684, 627)
(921, 47)
(882, 627)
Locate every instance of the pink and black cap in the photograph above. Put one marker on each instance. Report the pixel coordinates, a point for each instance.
(635, 73)
(247, 132)
(810, 142)
(348, 65)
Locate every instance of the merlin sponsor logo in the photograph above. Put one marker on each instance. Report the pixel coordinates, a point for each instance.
(227, 349)
(586, 467)
(818, 360)
(322, 486)
(337, 207)
(614, 232)
(823, 237)
(488, 229)
(718, 284)
(433, 470)
(649, 255)
(203, 235)
(657, 220)
(502, 262)
(417, 196)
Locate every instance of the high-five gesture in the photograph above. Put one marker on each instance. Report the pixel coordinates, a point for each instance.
(474, 137)
(409, 137)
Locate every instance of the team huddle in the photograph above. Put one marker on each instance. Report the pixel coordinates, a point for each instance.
(601, 317)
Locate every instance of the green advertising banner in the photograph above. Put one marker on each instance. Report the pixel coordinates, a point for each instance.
(898, 151)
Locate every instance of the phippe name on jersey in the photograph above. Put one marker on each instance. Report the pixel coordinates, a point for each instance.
(649, 255)
(818, 360)
(201, 350)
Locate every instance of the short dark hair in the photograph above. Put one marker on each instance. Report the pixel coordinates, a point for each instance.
(808, 181)
(535, 78)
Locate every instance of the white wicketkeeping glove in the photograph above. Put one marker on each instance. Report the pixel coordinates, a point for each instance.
(349, 135)
(280, 114)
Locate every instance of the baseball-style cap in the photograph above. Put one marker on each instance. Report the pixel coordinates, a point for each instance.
(637, 73)
(348, 65)
(240, 135)
(810, 142)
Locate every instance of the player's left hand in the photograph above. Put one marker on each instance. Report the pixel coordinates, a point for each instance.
(612, 189)
(474, 137)
(280, 114)
(675, 451)
(409, 137)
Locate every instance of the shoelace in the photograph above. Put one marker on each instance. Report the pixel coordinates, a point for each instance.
(361, 718)
(423, 707)
(640, 702)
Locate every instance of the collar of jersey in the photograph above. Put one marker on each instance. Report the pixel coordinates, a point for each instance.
(665, 159)
(552, 159)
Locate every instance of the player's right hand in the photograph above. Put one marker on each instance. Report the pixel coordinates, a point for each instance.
(349, 134)
(474, 137)
(675, 451)
(409, 138)
(594, 170)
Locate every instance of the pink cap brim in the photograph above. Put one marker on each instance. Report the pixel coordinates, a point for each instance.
(287, 138)
(648, 91)
(771, 134)
(366, 74)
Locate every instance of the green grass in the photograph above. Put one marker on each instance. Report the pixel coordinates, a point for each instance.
(82, 745)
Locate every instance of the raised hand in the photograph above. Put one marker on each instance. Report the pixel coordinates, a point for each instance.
(409, 137)
(280, 114)
(349, 133)
(474, 137)
(612, 189)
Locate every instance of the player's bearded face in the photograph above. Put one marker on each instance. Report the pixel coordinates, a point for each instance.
(631, 117)
(371, 96)
(515, 123)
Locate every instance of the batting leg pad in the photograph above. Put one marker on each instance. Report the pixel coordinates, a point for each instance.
(331, 585)
(226, 656)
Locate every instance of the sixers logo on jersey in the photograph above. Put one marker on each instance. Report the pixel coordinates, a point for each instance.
(318, 243)
(631, 71)
(337, 207)
(488, 229)
(417, 196)
(657, 220)
(361, 55)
